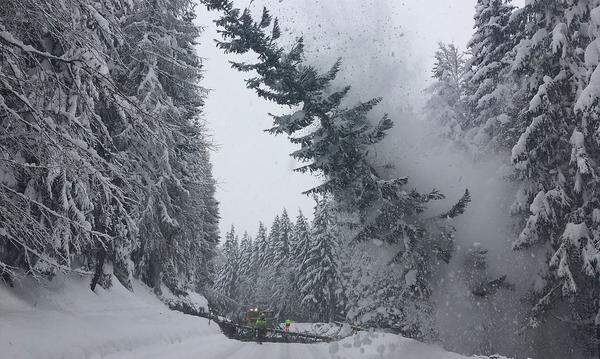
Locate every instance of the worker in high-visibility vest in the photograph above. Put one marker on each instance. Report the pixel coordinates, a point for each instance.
(261, 326)
(288, 324)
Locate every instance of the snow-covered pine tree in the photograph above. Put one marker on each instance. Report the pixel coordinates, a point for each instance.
(556, 158)
(208, 226)
(301, 238)
(334, 140)
(64, 201)
(339, 146)
(263, 262)
(85, 147)
(261, 244)
(281, 247)
(246, 253)
(319, 280)
(380, 293)
(161, 70)
(246, 270)
(274, 233)
(282, 266)
(447, 103)
(267, 282)
(386, 284)
(486, 89)
(585, 156)
(299, 252)
(228, 279)
(193, 244)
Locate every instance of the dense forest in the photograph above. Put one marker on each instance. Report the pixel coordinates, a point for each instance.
(105, 168)
(525, 89)
(105, 160)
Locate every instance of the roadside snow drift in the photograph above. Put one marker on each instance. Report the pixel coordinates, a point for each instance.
(63, 319)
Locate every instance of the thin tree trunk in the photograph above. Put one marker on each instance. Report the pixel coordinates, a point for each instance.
(100, 257)
(597, 331)
(598, 339)
(597, 327)
(156, 271)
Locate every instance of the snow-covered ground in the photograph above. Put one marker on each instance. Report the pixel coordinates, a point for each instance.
(324, 329)
(64, 319)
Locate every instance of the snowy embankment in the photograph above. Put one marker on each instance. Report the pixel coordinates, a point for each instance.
(64, 319)
(334, 330)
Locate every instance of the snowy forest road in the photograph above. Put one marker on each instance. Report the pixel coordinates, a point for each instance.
(214, 347)
(363, 346)
(63, 319)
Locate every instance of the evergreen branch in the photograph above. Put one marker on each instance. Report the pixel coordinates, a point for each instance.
(460, 207)
(58, 215)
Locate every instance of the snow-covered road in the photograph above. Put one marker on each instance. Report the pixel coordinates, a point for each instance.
(64, 319)
(213, 346)
(365, 346)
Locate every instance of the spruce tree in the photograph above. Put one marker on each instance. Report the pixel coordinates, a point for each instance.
(246, 270)
(282, 240)
(282, 266)
(246, 254)
(274, 233)
(447, 104)
(319, 280)
(585, 158)
(299, 253)
(228, 280)
(555, 157)
(268, 281)
(301, 239)
(263, 263)
(110, 169)
(335, 139)
(262, 246)
(486, 89)
(64, 199)
(381, 294)
(337, 147)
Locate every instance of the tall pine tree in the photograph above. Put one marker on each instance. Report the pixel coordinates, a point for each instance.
(447, 104)
(486, 89)
(263, 263)
(555, 158)
(228, 280)
(319, 280)
(246, 270)
(100, 115)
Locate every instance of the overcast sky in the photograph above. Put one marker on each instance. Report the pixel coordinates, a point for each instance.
(253, 169)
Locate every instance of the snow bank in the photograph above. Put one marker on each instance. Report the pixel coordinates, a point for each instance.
(390, 346)
(62, 318)
(324, 329)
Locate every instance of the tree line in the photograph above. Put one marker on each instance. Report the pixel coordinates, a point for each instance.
(292, 268)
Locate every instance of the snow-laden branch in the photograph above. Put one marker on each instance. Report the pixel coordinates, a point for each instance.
(8, 38)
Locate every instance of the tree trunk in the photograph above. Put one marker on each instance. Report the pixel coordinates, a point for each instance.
(155, 266)
(100, 257)
(121, 267)
(597, 327)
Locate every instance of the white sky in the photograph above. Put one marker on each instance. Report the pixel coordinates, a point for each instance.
(253, 168)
